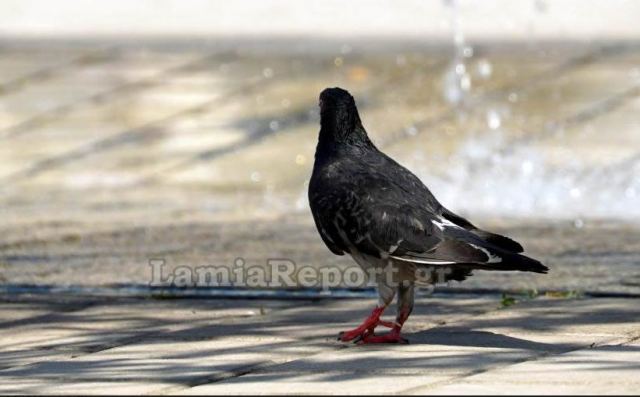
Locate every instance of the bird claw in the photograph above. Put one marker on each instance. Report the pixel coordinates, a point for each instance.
(359, 338)
(358, 334)
(352, 336)
(367, 327)
(369, 337)
(387, 338)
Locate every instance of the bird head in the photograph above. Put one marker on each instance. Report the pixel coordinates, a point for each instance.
(339, 119)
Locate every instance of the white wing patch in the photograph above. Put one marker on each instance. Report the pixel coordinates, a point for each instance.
(424, 261)
(441, 223)
(492, 258)
(394, 247)
(417, 224)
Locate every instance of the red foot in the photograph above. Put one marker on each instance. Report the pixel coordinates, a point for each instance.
(391, 337)
(364, 334)
(366, 327)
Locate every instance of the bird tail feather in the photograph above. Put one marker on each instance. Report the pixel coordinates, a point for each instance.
(500, 241)
(511, 261)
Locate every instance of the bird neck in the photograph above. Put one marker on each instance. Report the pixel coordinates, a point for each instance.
(342, 127)
(331, 147)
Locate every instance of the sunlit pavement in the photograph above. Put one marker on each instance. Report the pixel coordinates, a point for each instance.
(116, 154)
(459, 344)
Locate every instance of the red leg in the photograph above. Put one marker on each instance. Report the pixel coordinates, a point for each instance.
(366, 327)
(388, 324)
(393, 336)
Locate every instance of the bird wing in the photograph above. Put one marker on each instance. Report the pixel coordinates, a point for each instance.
(406, 178)
(498, 240)
(376, 207)
(461, 246)
(325, 235)
(385, 230)
(381, 209)
(404, 232)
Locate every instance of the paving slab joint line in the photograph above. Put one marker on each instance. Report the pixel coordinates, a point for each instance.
(347, 346)
(471, 373)
(52, 71)
(74, 307)
(615, 341)
(159, 78)
(210, 379)
(124, 341)
(622, 341)
(592, 111)
(253, 369)
(118, 139)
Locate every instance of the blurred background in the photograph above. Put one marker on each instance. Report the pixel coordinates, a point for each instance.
(185, 130)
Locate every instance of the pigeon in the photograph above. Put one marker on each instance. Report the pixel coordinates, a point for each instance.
(367, 205)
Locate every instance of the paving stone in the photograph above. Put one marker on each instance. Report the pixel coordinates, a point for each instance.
(609, 369)
(447, 354)
(108, 325)
(218, 347)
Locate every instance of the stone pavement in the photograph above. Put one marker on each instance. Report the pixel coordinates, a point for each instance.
(459, 344)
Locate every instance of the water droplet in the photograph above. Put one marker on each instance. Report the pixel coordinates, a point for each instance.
(452, 91)
(493, 120)
(302, 202)
(301, 159)
(527, 167)
(513, 97)
(285, 103)
(411, 130)
(485, 69)
(456, 82)
(578, 223)
(267, 73)
(630, 192)
(274, 125)
(467, 52)
(458, 39)
(256, 176)
(465, 82)
(575, 192)
(338, 61)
